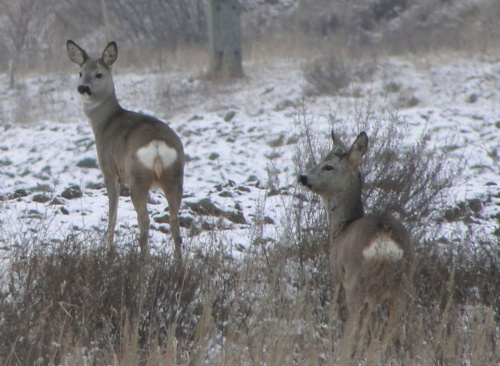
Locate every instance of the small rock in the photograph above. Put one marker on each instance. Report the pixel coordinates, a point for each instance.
(284, 104)
(268, 220)
(41, 198)
(92, 185)
(208, 226)
(190, 158)
(413, 101)
(472, 98)
(72, 192)
(252, 178)
(277, 142)
(273, 192)
(64, 211)
(213, 156)
(292, 140)
(186, 222)
(235, 216)
(5, 162)
(57, 201)
(90, 163)
(269, 89)
(239, 247)
(206, 207)
(392, 87)
(163, 219)
(32, 214)
(42, 188)
(18, 193)
(195, 118)
(229, 116)
(164, 229)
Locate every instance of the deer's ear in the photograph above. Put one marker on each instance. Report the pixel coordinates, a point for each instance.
(338, 147)
(358, 148)
(110, 54)
(76, 53)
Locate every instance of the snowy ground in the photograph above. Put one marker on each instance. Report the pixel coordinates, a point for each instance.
(45, 138)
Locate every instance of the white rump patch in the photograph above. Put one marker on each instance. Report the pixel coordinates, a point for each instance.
(383, 246)
(157, 149)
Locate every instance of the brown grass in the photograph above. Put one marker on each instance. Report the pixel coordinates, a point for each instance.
(70, 303)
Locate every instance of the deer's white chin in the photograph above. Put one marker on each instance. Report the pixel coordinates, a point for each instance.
(85, 98)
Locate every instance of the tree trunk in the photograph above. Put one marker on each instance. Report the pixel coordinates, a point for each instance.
(224, 27)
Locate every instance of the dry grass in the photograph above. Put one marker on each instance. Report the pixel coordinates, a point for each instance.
(69, 303)
(77, 307)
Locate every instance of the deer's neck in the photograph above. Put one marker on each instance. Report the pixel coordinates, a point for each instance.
(342, 211)
(99, 113)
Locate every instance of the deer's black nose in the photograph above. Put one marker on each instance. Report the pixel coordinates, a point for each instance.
(84, 89)
(303, 180)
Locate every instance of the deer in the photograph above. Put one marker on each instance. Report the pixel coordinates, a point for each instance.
(134, 149)
(371, 256)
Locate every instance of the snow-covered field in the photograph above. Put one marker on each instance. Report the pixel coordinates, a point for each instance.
(239, 139)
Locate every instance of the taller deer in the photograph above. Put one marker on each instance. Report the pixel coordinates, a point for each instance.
(370, 255)
(137, 150)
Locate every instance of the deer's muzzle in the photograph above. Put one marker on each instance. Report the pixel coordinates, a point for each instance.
(84, 89)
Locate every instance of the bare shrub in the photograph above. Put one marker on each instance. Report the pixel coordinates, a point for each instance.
(327, 75)
(332, 73)
(65, 298)
(412, 180)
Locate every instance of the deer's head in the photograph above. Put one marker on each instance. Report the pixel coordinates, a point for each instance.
(95, 83)
(338, 172)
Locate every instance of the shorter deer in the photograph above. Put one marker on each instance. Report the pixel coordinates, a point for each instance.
(370, 255)
(132, 148)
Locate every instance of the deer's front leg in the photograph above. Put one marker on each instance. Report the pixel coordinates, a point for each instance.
(113, 188)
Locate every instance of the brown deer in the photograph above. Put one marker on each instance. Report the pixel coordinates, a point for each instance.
(137, 150)
(370, 255)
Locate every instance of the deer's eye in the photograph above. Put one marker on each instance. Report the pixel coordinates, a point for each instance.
(328, 168)
(98, 76)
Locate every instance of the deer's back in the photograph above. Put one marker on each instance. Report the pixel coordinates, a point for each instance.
(139, 130)
(127, 132)
(372, 256)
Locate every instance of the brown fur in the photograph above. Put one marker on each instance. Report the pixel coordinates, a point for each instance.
(119, 134)
(367, 283)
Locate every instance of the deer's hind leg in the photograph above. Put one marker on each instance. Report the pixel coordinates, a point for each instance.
(139, 192)
(173, 193)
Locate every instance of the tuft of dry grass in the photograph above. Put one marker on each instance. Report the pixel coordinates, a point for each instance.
(72, 306)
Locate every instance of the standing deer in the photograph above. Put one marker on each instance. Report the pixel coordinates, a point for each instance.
(137, 150)
(370, 255)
